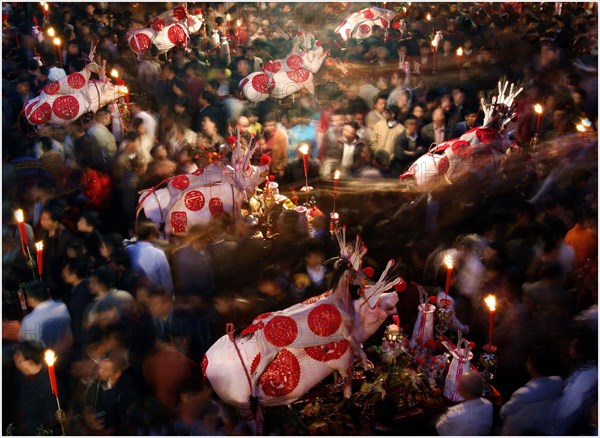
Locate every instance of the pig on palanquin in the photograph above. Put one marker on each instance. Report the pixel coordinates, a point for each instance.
(282, 355)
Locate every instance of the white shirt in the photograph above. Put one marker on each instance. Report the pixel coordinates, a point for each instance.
(46, 321)
(151, 262)
(149, 122)
(348, 156)
(472, 417)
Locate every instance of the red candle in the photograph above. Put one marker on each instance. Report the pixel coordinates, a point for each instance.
(21, 221)
(490, 300)
(539, 110)
(396, 319)
(336, 179)
(228, 24)
(304, 151)
(50, 358)
(39, 248)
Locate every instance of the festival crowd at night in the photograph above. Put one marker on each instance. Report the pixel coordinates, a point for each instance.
(130, 300)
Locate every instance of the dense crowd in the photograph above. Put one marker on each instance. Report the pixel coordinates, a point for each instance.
(131, 313)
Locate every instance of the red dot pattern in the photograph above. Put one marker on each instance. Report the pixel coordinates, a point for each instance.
(369, 14)
(255, 363)
(76, 80)
(140, 42)
(179, 221)
(252, 328)
(215, 206)
(263, 316)
(198, 172)
(443, 166)
(298, 76)
(294, 62)
(281, 331)
(204, 365)
(273, 66)
(52, 88)
(66, 107)
(327, 352)
(261, 83)
(194, 200)
(364, 28)
(486, 135)
(324, 320)
(313, 300)
(282, 376)
(180, 182)
(41, 114)
(176, 34)
(158, 24)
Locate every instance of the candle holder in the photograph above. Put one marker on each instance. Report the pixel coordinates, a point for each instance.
(444, 314)
(487, 364)
(61, 417)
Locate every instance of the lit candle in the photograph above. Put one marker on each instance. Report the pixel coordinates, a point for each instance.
(228, 24)
(50, 358)
(21, 221)
(39, 248)
(428, 17)
(449, 266)
(459, 54)
(336, 179)
(539, 110)
(490, 300)
(57, 43)
(237, 30)
(304, 151)
(51, 33)
(434, 44)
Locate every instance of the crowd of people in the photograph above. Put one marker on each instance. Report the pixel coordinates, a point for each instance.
(130, 314)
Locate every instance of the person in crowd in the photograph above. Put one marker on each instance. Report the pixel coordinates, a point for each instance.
(54, 237)
(408, 147)
(470, 115)
(102, 286)
(76, 274)
(386, 131)
(474, 416)
(275, 146)
(104, 137)
(437, 131)
(377, 113)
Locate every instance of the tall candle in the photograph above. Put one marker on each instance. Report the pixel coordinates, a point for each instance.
(539, 110)
(228, 24)
(336, 179)
(304, 151)
(449, 266)
(57, 42)
(459, 54)
(50, 358)
(21, 221)
(434, 51)
(490, 300)
(39, 248)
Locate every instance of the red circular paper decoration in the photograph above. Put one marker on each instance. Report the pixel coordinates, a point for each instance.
(52, 88)
(255, 363)
(369, 271)
(327, 352)
(369, 14)
(294, 62)
(282, 376)
(384, 23)
(273, 66)
(462, 148)
(443, 166)
(176, 34)
(215, 206)
(140, 42)
(364, 28)
(180, 182)
(179, 221)
(76, 80)
(281, 331)
(41, 114)
(252, 328)
(486, 135)
(204, 365)
(179, 13)
(66, 107)
(194, 200)
(158, 24)
(198, 172)
(400, 287)
(298, 76)
(263, 316)
(324, 320)
(261, 83)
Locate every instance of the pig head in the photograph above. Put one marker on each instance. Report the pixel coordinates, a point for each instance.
(282, 355)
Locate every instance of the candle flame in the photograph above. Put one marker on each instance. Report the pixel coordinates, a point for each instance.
(39, 246)
(56, 41)
(459, 51)
(303, 149)
(238, 23)
(538, 108)
(336, 175)
(490, 300)
(51, 32)
(580, 127)
(448, 261)
(19, 215)
(228, 17)
(114, 73)
(434, 42)
(586, 123)
(404, 9)
(428, 17)
(49, 358)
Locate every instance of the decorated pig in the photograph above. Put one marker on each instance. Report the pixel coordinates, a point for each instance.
(173, 28)
(282, 355)
(360, 24)
(198, 197)
(64, 101)
(477, 150)
(284, 77)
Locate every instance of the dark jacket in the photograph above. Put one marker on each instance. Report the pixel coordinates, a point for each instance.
(428, 135)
